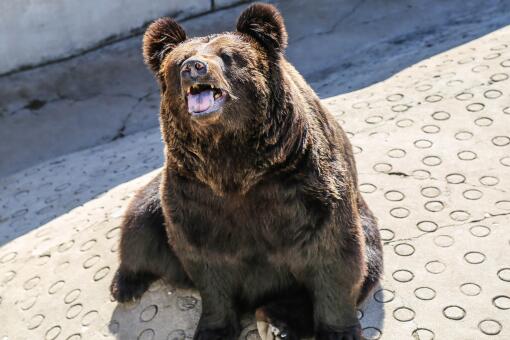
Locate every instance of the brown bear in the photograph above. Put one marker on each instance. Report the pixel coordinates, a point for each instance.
(257, 205)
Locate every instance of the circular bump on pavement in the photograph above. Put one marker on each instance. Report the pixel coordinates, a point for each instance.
(88, 318)
(400, 108)
(470, 289)
(504, 205)
(382, 167)
(435, 267)
(35, 321)
(455, 178)
(423, 334)
(492, 94)
(472, 194)
(72, 296)
(480, 230)
(432, 160)
(101, 273)
(430, 192)
(425, 293)
(500, 140)
(404, 314)
(396, 153)
(431, 129)
(441, 115)
(489, 181)
(52, 333)
(434, 206)
(91, 261)
(475, 107)
(505, 161)
(402, 275)
(474, 257)
(375, 119)
(404, 249)
(490, 327)
(367, 188)
(421, 174)
(433, 98)
(460, 215)
(384, 295)
(404, 123)
(400, 212)
(427, 226)
(467, 155)
(484, 121)
(464, 96)
(31, 283)
(394, 97)
(146, 334)
(423, 143)
(504, 274)
(463, 135)
(453, 312)
(8, 257)
(387, 234)
(148, 313)
(56, 286)
(87, 245)
(444, 241)
(501, 302)
(74, 310)
(371, 333)
(394, 195)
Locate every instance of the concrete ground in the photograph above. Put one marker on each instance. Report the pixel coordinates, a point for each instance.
(430, 124)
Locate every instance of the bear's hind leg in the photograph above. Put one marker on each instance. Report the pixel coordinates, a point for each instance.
(145, 254)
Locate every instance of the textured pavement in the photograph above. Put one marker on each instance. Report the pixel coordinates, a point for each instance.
(432, 144)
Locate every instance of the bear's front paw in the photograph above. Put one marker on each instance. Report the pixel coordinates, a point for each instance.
(348, 333)
(129, 287)
(225, 333)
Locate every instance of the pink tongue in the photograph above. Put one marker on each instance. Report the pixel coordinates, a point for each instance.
(201, 101)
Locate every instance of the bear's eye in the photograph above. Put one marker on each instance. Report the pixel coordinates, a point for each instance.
(227, 58)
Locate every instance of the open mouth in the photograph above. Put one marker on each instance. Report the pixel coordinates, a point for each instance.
(204, 99)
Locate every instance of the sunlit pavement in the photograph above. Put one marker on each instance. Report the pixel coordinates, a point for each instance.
(433, 150)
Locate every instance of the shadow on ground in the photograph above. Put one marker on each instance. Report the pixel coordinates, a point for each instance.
(180, 309)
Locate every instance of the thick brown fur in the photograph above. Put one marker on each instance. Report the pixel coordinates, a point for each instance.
(259, 202)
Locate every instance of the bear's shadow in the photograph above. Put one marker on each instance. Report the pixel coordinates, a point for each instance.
(172, 314)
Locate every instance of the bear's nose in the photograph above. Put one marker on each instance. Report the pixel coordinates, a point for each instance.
(193, 68)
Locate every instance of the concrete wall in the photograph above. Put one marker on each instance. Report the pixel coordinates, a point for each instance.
(33, 32)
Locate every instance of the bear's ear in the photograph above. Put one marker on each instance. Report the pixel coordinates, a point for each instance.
(264, 23)
(160, 38)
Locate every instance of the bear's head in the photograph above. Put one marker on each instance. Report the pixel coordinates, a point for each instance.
(231, 105)
(225, 81)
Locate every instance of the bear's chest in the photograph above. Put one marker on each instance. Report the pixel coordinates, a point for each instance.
(272, 217)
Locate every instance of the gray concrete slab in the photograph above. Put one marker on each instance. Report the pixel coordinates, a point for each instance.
(338, 46)
(432, 144)
(38, 32)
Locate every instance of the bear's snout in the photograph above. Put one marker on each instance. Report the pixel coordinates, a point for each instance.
(194, 67)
